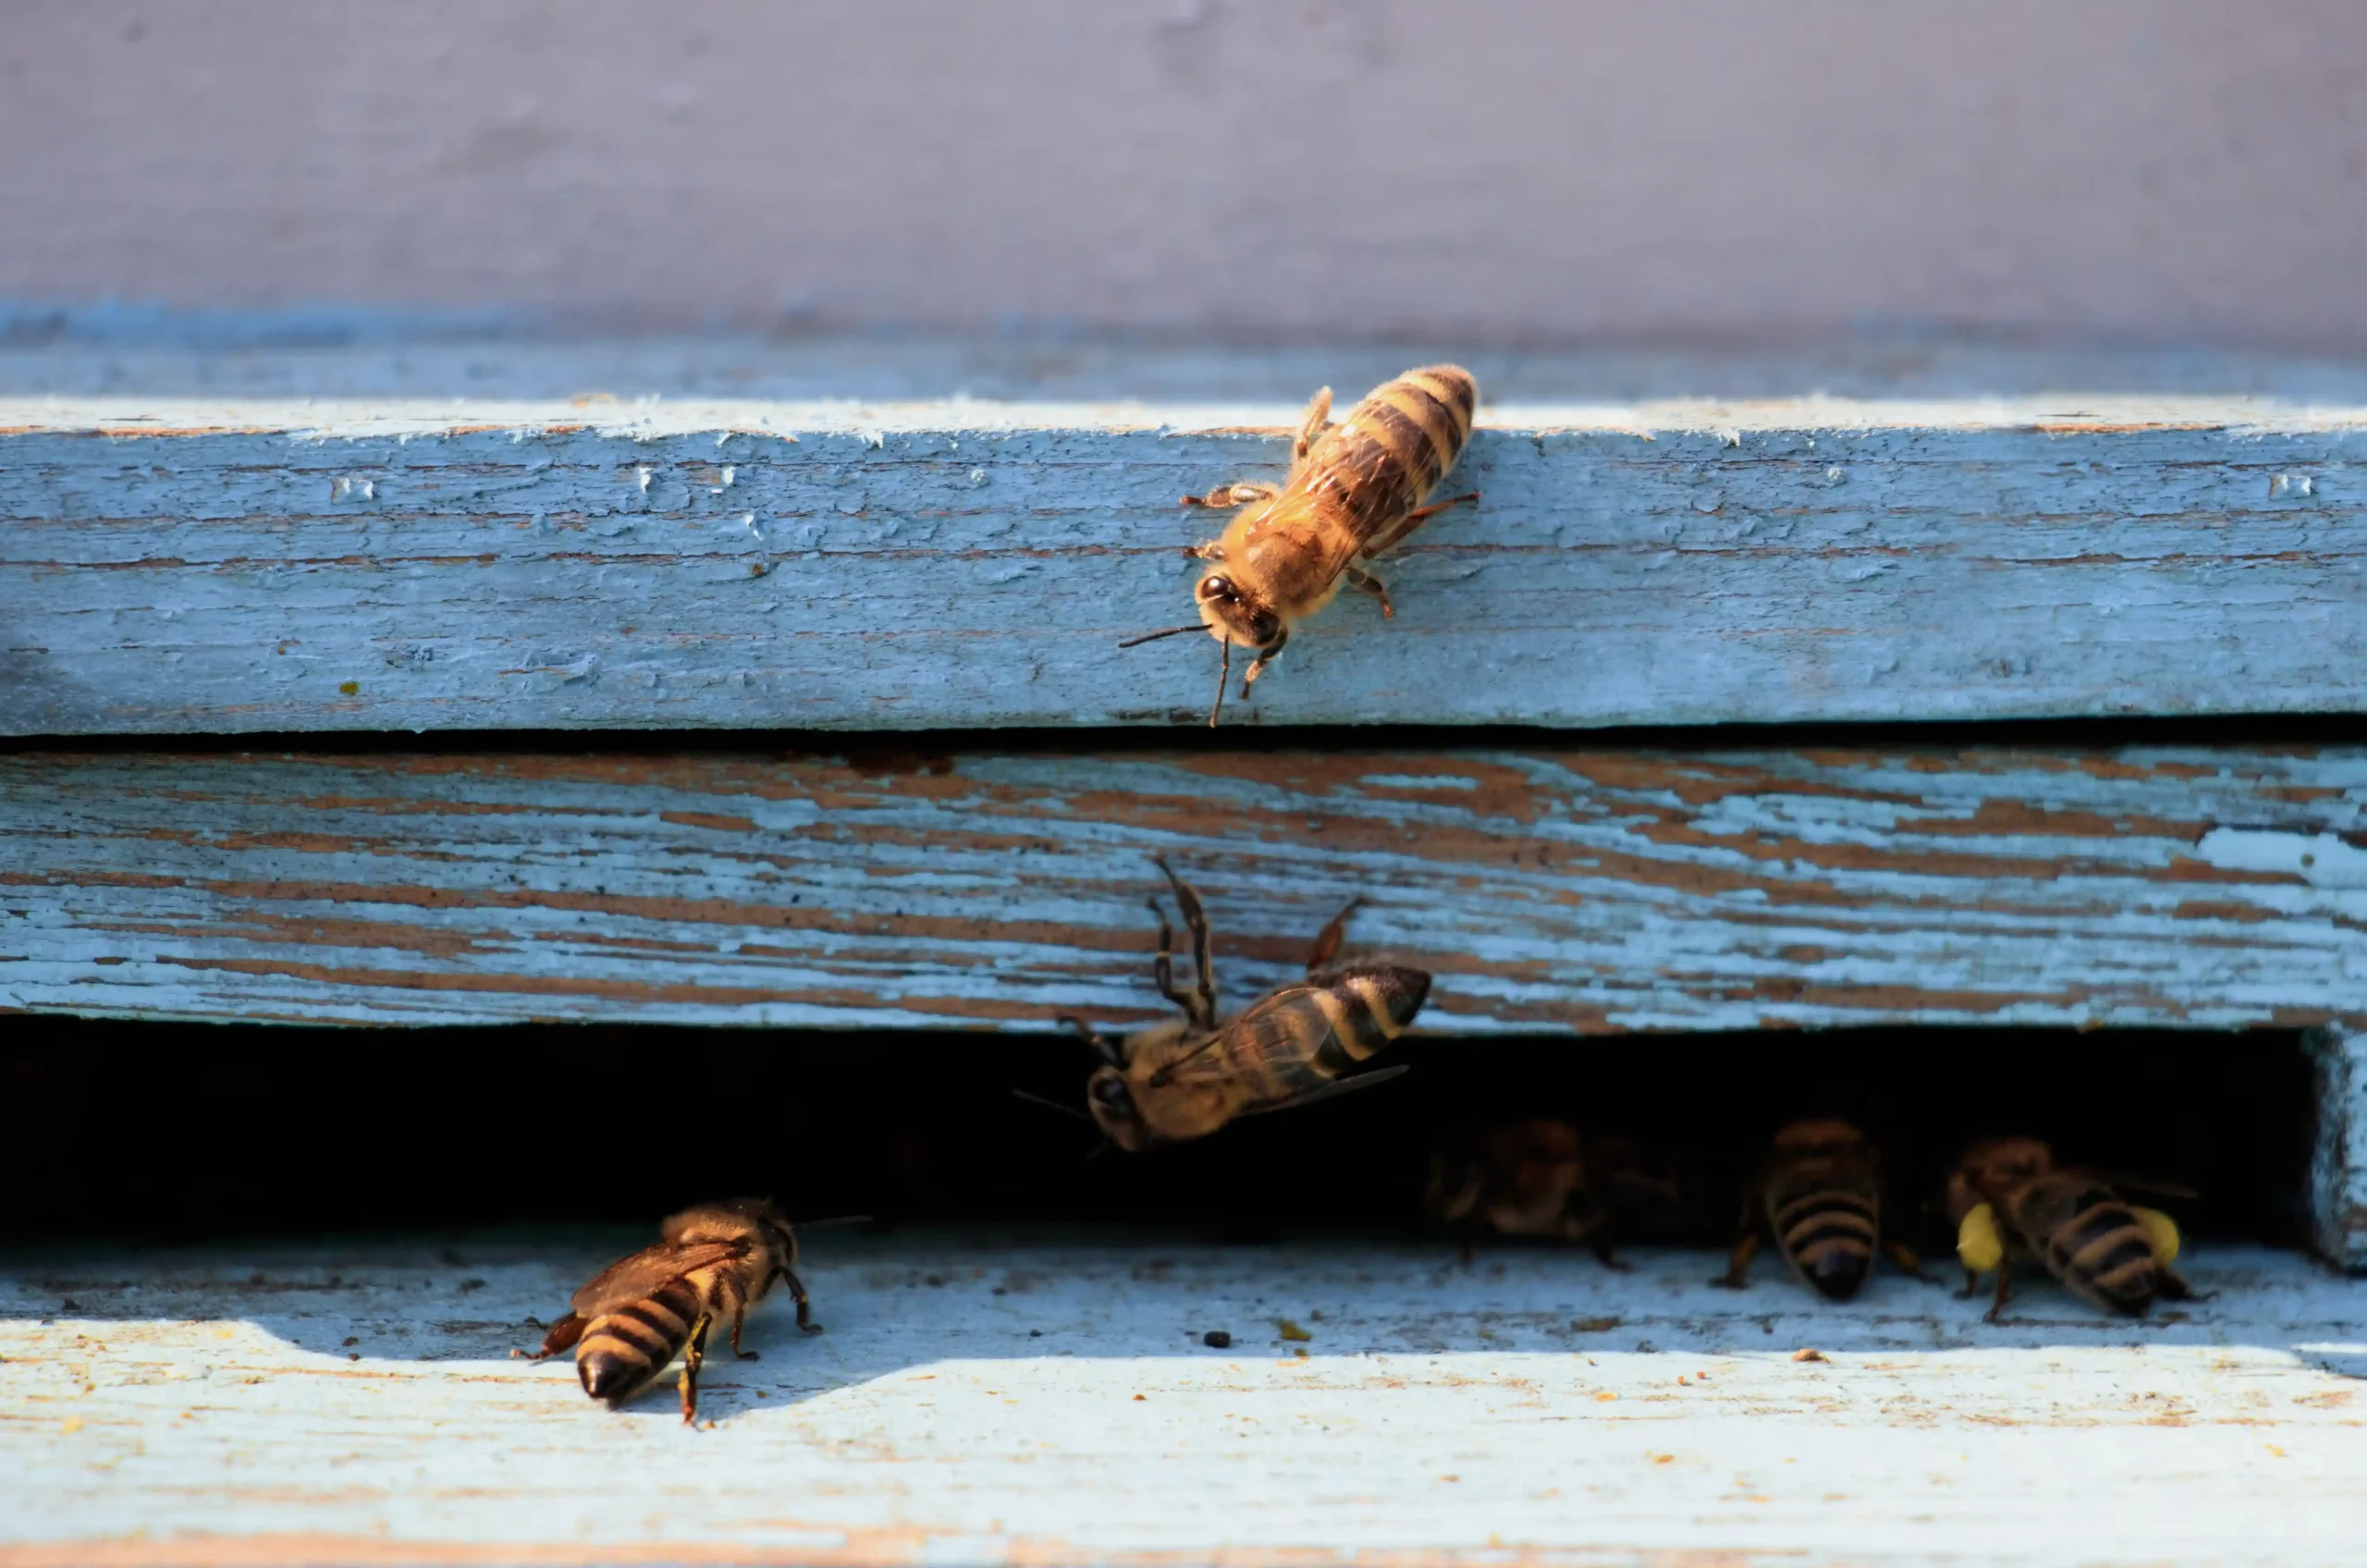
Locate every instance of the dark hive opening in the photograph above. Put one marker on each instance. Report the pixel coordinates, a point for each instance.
(178, 1132)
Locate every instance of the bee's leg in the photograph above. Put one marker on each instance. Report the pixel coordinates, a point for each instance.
(1597, 1239)
(2004, 1288)
(1162, 968)
(1240, 493)
(562, 1337)
(1196, 920)
(1738, 1274)
(692, 1355)
(1362, 579)
(1100, 1044)
(1971, 1286)
(739, 1318)
(1908, 1263)
(1326, 941)
(2170, 1285)
(1466, 1235)
(1266, 655)
(797, 1294)
(1311, 425)
(1585, 1219)
(1412, 520)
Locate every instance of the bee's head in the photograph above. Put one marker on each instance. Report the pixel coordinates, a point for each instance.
(1234, 615)
(1992, 1169)
(1112, 1100)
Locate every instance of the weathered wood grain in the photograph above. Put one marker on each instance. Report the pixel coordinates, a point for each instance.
(173, 566)
(1000, 1399)
(1588, 890)
(2338, 1167)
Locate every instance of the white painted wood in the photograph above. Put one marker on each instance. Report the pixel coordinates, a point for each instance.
(168, 566)
(1588, 890)
(1018, 1399)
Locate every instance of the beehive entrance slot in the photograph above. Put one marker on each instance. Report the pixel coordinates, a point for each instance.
(176, 1132)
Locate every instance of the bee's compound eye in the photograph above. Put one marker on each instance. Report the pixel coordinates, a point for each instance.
(1219, 587)
(1112, 1093)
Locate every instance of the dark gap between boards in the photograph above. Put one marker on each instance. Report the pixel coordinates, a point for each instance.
(173, 1133)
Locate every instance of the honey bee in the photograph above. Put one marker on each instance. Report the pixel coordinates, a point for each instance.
(714, 1261)
(2008, 1197)
(1527, 1178)
(1355, 489)
(1819, 1190)
(1175, 1082)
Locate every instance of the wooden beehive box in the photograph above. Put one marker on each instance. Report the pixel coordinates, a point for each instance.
(805, 715)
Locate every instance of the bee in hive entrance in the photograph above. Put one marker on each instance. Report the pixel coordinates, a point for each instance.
(1355, 489)
(1542, 1178)
(1820, 1191)
(2008, 1196)
(1176, 1081)
(711, 1262)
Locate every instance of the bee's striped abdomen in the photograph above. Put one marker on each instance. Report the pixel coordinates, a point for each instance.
(1303, 1037)
(1395, 445)
(1363, 1009)
(1829, 1237)
(622, 1352)
(2103, 1254)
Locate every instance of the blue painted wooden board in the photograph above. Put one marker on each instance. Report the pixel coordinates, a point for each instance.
(202, 566)
(1029, 1400)
(2339, 1169)
(1595, 891)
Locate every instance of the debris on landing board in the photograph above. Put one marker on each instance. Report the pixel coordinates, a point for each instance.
(206, 1398)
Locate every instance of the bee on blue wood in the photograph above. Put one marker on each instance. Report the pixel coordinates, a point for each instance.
(711, 1263)
(1175, 1082)
(1355, 489)
(1819, 1192)
(2009, 1199)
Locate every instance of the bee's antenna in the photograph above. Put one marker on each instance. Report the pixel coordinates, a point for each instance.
(1050, 1104)
(1224, 673)
(1155, 636)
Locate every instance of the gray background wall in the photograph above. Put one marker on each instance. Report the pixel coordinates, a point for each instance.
(1503, 171)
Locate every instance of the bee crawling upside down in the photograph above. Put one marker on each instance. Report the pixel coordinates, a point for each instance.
(711, 1263)
(1355, 489)
(1176, 1081)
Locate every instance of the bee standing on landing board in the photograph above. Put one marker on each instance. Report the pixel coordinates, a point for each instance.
(1821, 1190)
(1355, 489)
(1176, 1081)
(711, 1262)
(2008, 1197)
(1529, 1178)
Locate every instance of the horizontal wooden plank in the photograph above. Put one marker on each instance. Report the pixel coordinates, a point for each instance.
(1573, 890)
(195, 564)
(1019, 1399)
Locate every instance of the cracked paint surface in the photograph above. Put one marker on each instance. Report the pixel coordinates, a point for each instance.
(199, 564)
(1596, 892)
(1038, 1398)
